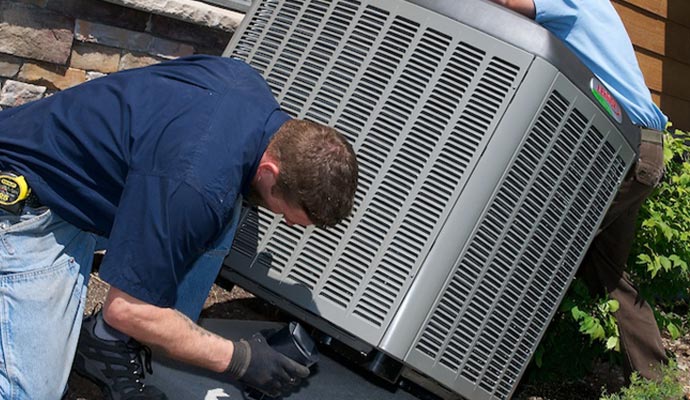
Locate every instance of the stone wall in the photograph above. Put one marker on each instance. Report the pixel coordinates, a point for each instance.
(51, 45)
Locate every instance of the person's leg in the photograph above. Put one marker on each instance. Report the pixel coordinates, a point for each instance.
(603, 268)
(45, 264)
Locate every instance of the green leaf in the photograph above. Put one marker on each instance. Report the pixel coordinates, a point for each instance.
(592, 327)
(612, 343)
(684, 236)
(577, 314)
(648, 223)
(587, 324)
(668, 155)
(614, 305)
(644, 259)
(654, 266)
(684, 180)
(597, 332)
(678, 262)
(673, 330)
(665, 230)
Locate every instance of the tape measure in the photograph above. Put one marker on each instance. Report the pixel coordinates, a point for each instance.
(13, 191)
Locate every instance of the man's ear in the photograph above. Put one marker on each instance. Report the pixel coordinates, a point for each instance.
(267, 171)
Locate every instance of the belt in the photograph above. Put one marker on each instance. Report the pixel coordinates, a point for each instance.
(651, 136)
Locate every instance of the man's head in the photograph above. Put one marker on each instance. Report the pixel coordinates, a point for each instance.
(308, 173)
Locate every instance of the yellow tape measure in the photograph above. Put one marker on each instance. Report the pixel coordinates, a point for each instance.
(13, 189)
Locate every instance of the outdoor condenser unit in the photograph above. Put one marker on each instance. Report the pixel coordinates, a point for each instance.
(488, 156)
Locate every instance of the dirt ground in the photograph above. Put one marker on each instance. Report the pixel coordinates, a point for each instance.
(239, 304)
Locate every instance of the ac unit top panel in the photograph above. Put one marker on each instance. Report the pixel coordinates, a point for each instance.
(525, 34)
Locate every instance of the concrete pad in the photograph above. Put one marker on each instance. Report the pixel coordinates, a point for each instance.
(328, 380)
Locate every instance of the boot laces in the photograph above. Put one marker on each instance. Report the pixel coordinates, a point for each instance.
(140, 362)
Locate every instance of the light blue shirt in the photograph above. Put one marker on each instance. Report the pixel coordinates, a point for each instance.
(593, 30)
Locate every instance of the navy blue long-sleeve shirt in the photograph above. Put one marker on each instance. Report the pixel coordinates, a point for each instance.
(153, 158)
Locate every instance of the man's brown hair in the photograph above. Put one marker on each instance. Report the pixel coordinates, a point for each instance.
(318, 170)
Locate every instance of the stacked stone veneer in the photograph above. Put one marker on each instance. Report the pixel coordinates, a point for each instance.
(51, 45)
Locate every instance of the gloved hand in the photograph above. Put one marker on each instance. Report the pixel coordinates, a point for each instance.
(256, 364)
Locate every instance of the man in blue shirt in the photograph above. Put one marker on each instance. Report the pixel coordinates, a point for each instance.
(594, 32)
(155, 159)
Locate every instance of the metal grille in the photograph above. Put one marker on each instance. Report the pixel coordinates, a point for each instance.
(525, 248)
(417, 104)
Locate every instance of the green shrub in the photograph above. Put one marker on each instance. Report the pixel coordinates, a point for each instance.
(658, 261)
(643, 389)
(584, 328)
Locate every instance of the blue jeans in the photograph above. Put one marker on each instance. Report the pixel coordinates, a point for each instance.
(44, 269)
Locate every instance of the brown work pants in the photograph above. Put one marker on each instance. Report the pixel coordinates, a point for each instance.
(603, 268)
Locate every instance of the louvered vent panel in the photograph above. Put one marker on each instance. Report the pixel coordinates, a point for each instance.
(514, 250)
(254, 37)
(247, 235)
(416, 103)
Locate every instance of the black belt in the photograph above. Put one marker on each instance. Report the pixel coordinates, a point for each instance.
(651, 136)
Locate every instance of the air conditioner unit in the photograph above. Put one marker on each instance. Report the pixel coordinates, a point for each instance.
(488, 156)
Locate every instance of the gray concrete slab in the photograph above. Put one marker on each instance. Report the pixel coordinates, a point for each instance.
(329, 380)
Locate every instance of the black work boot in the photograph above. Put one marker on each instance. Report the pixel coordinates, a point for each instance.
(116, 366)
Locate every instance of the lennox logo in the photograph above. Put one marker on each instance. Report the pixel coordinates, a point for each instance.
(606, 100)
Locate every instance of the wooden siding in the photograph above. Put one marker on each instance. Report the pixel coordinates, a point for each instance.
(660, 31)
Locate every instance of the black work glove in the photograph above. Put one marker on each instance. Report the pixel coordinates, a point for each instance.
(256, 364)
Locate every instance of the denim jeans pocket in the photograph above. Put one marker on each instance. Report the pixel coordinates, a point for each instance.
(650, 167)
(12, 225)
(41, 313)
(44, 267)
